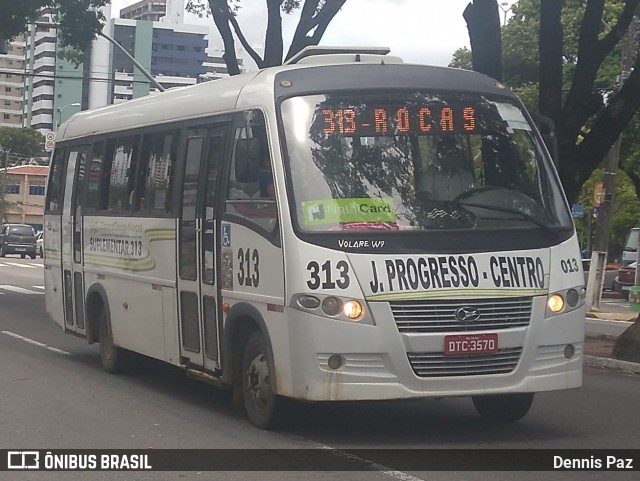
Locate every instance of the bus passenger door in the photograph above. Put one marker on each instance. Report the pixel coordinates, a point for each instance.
(71, 245)
(198, 290)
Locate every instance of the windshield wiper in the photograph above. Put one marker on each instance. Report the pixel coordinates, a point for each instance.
(545, 227)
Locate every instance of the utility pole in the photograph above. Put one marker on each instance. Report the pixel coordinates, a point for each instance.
(142, 70)
(603, 223)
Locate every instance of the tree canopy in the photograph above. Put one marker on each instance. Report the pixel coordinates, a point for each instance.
(566, 54)
(78, 21)
(315, 16)
(21, 142)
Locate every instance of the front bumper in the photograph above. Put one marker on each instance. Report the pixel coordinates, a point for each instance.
(29, 250)
(375, 359)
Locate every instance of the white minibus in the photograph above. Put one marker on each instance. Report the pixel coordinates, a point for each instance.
(295, 233)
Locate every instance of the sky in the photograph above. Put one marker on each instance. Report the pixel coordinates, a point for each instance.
(419, 31)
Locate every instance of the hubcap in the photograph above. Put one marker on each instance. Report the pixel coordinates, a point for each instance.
(258, 381)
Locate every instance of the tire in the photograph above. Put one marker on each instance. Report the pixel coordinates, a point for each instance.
(114, 358)
(22, 256)
(258, 384)
(2, 253)
(41, 253)
(503, 408)
(33, 256)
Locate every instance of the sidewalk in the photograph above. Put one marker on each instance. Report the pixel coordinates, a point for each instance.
(598, 348)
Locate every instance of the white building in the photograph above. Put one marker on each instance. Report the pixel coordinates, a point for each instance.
(11, 84)
(176, 54)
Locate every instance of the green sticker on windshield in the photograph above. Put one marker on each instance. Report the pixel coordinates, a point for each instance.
(335, 211)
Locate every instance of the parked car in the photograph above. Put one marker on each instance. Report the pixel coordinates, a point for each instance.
(17, 239)
(609, 274)
(626, 278)
(40, 243)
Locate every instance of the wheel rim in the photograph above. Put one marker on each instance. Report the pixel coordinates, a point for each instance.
(258, 382)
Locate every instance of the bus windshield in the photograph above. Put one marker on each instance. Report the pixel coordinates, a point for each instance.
(417, 161)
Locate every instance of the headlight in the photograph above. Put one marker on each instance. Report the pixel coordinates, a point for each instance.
(331, 306)
(564, 301)
(555, 303)
(353, 310)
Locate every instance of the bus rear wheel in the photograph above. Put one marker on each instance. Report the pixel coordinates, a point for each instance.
(258, 386)
(113, 357)
(503, 408)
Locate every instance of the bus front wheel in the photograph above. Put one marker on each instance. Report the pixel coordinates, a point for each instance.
(258, 386)
(503, 408)
(113, 357)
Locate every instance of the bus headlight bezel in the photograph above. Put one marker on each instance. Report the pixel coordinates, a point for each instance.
(333, 307)
(566, 300)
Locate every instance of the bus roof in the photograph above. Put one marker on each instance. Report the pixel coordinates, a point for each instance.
(224, 95)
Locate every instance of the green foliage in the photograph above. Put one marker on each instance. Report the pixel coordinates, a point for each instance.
(461, 59)
(520, 54)
(520, 50)
(630, 151)
(79, 20)
(23, 142)
(625, 213)
(16, 14)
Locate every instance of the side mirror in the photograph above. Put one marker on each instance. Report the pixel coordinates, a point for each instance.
(548, 132)
(247, 160)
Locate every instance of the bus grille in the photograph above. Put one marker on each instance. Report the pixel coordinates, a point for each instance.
(440, 315)
(437, 364)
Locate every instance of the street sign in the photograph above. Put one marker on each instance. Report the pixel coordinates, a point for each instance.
(577, 210)
(598, 194)
(50, 141)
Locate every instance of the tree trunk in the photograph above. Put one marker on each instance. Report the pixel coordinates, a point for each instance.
(220, 12)
(551, 38)
(314, 20)
(273, 45)
(483, 23)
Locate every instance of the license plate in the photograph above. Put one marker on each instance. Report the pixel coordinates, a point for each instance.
(471, 344)
(20, 249)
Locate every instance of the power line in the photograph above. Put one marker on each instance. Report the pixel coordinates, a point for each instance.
(69, 77)
(56, 76)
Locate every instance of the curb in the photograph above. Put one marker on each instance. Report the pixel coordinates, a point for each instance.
(614, 364)
(607, 316)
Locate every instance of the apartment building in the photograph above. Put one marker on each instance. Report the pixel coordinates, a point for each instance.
(11, 83)
(40, 73)
(176, 54)
(149, 10)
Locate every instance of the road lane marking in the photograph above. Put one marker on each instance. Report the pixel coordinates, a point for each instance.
(18, 290)
(38, 287)
(26, 266)
(392, 473)
(36, 343)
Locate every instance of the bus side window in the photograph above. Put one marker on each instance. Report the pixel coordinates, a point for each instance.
(247, 197)
(153, 182)
(95, 172)
(121, 162)
(54, 191)
(218, 137)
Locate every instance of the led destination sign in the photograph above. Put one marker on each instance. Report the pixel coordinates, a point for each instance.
(372, 120)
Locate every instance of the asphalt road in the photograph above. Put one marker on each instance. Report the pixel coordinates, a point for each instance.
(54, 394)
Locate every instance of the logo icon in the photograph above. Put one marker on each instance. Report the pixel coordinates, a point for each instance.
(315, 212)
(23, 460)
(226, 235)
(467, 314)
